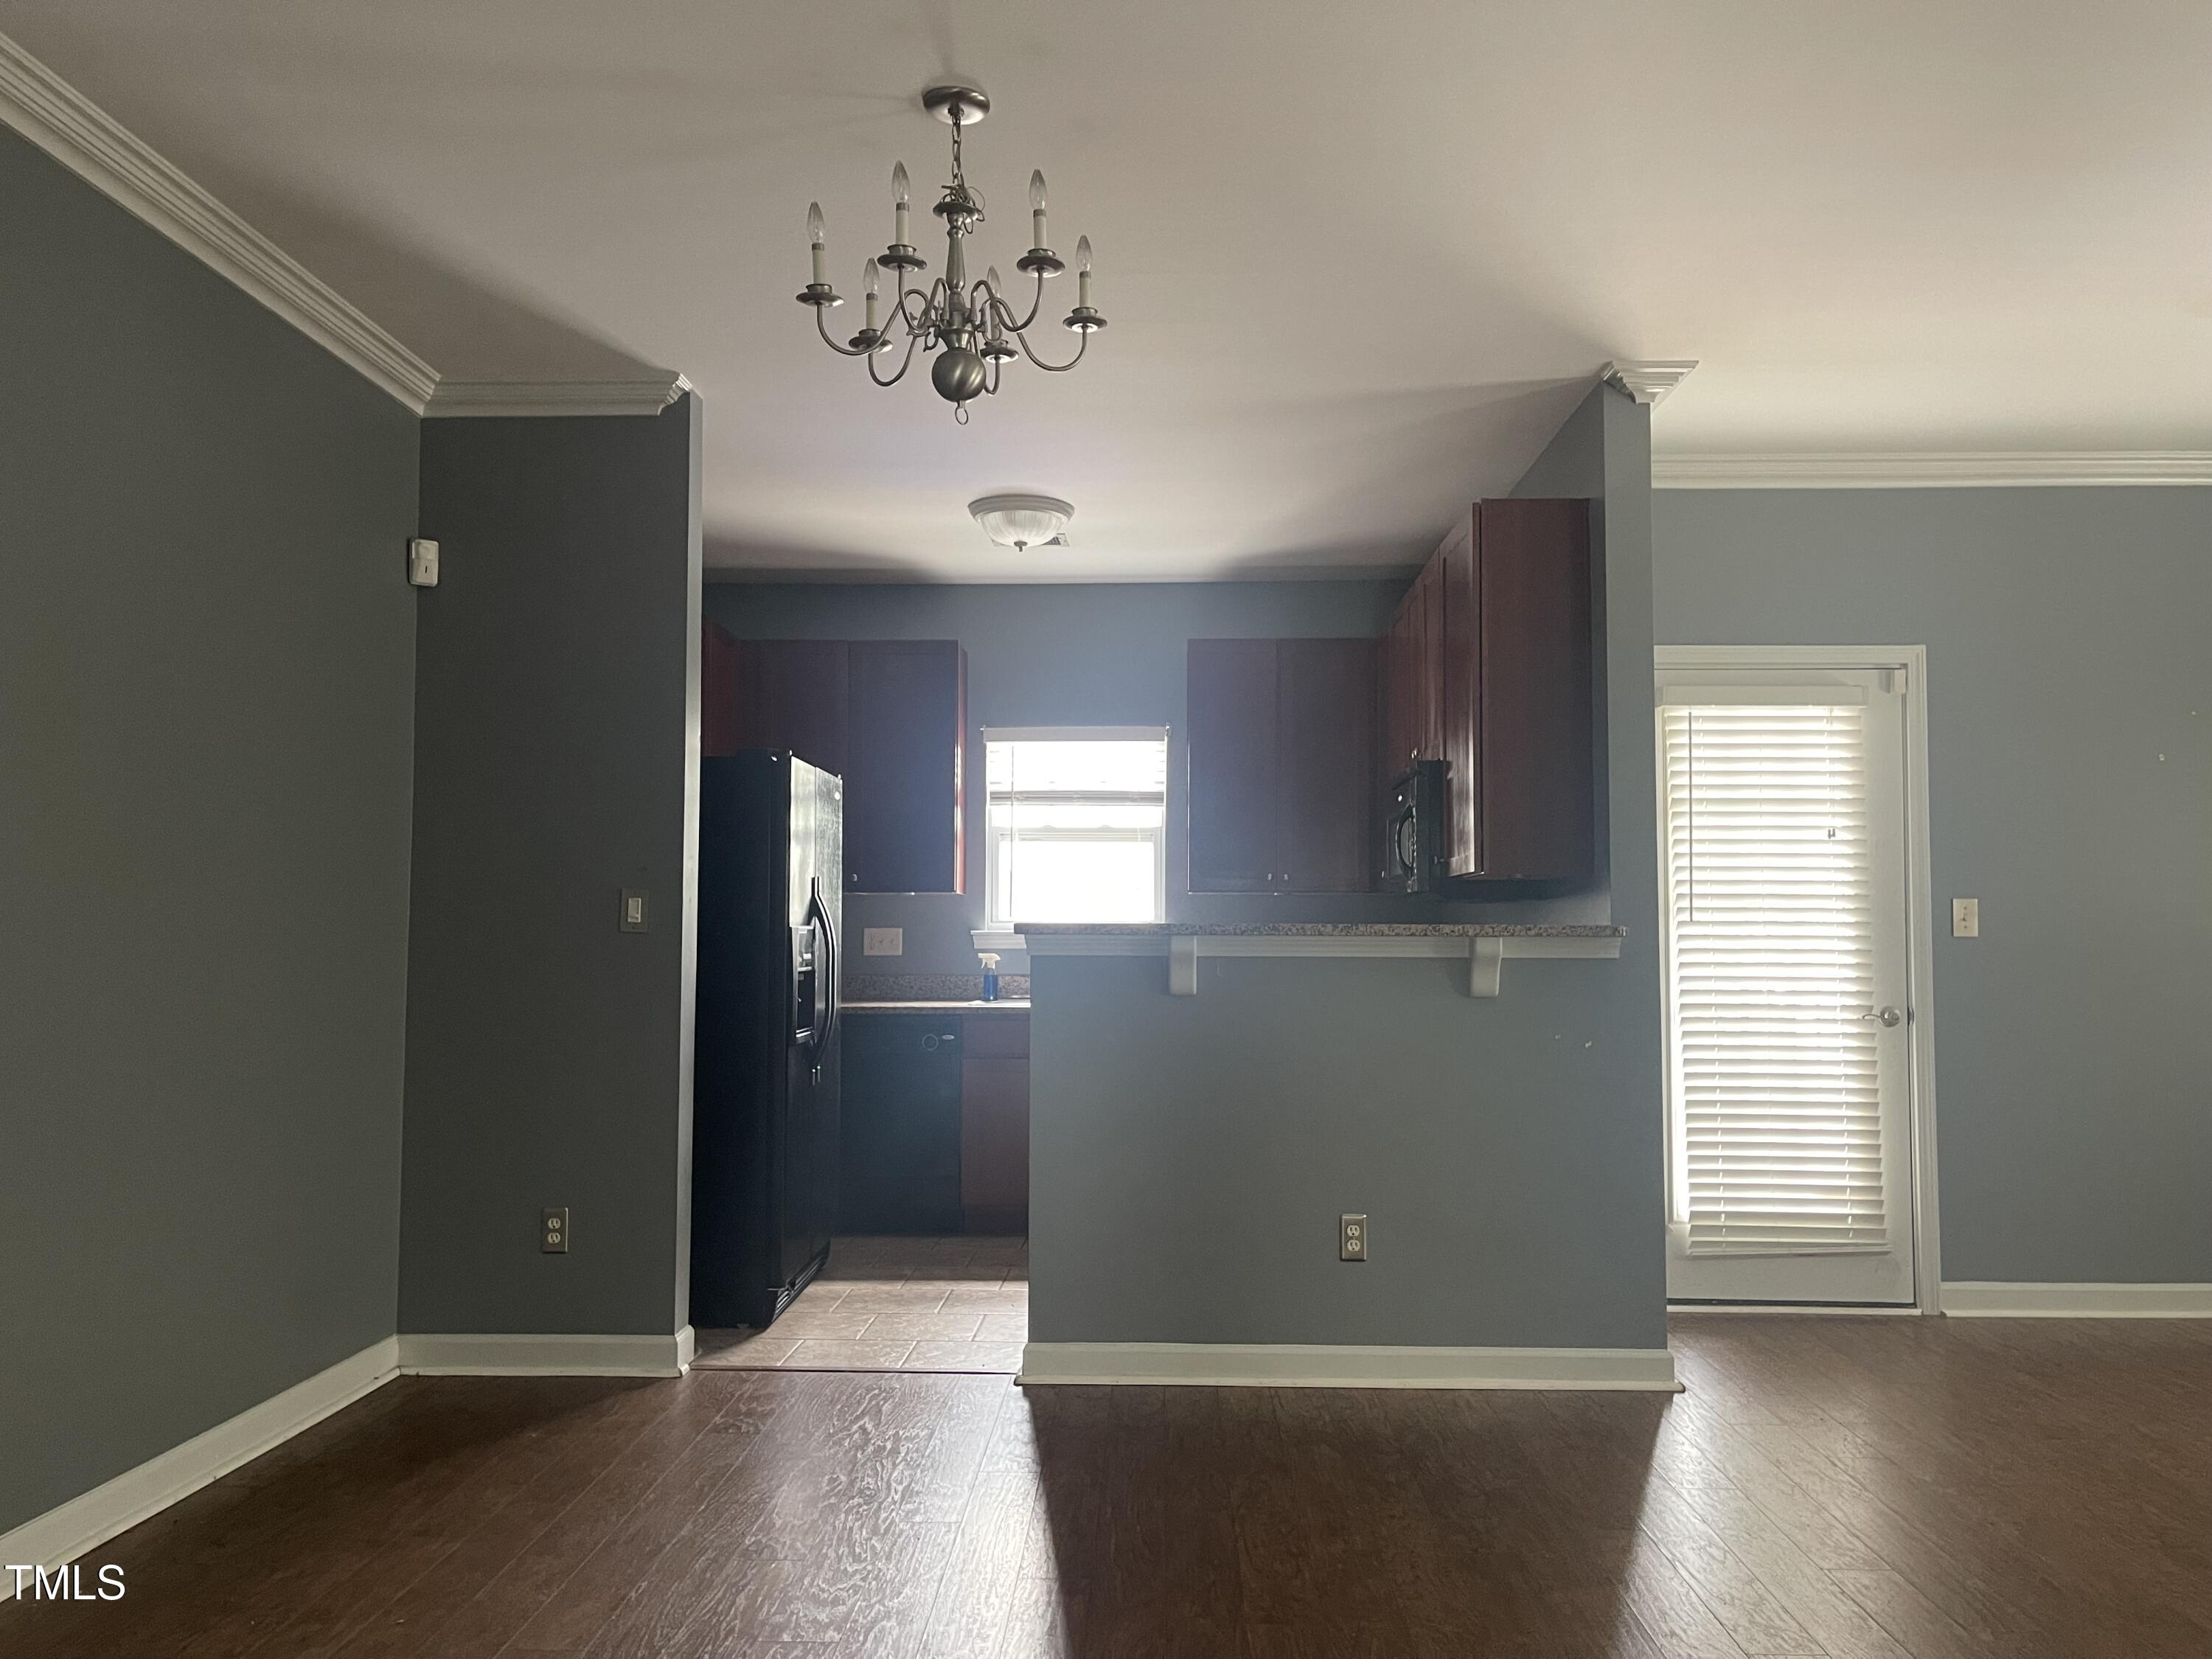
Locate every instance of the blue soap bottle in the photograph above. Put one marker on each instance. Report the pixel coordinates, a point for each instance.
(990, 975)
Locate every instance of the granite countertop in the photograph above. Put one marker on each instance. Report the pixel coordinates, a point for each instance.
(1012, 1004)
(1327, 929)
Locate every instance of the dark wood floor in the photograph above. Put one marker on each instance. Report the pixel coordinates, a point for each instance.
(1854, 1487)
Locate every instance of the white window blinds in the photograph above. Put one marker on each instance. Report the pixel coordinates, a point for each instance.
(1770, 895)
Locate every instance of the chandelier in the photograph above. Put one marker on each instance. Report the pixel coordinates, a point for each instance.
(969, 326)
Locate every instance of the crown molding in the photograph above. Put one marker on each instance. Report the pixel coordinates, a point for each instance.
(83, 137)
(1647, 382)
(647, 394)
(1900, 469)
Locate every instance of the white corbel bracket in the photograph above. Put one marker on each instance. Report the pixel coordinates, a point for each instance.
(1485, 957)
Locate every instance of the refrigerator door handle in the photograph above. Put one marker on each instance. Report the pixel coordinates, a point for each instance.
(819, 913)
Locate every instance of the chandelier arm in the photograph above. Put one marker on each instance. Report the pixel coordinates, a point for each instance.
(913, 325)
(823, 329)
(1036, 305)
(905, 363)
(1054, 368)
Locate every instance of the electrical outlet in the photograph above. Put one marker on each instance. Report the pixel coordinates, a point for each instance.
(1965, 917)
(553, 1237)
(883, 941)
(1352, 1238)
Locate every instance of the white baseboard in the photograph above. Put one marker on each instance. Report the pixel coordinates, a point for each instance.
(502, 1354)
(2006, 1299)
(1799, 1310)
(65, 1533)
(1287, 1365)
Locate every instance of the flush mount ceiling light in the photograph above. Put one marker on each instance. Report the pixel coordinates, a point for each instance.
(1022, 522)
(966, 324)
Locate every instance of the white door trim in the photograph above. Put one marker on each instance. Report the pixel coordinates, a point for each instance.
(1920, 954)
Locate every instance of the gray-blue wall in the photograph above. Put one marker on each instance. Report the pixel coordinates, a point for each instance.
(2071, 791)
(206, 679)
(549, 1053)
(1189, 1156)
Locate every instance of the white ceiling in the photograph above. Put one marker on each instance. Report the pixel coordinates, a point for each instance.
(1360, 260)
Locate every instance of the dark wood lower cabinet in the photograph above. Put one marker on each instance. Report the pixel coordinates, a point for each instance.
(995, 1123)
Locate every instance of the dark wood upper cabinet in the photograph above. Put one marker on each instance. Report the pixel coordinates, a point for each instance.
(1412, 668)
(1282, 768)
(719, 656)
(1231, 711)
(1459, 722)
(1514, 684)
(1429, 605)
(1537, 691)
(1325, 770)
(905, 752)
(793, 694)
(888, 716)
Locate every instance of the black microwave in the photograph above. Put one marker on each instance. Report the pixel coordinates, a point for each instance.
(1414, 843)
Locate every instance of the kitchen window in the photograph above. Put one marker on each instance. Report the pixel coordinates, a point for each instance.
(1076, 826)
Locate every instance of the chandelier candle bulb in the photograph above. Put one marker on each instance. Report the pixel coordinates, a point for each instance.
(1083, 271)
(899, 207)
(872, 277)
(1036, 210)
(814, 235)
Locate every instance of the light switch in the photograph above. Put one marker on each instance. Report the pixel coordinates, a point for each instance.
(883, 941)
(1965, 917)
(633, 910)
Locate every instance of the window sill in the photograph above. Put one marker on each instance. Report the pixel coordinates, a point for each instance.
(998, 940)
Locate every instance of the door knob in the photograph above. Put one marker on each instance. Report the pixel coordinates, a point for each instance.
(1886, 1016)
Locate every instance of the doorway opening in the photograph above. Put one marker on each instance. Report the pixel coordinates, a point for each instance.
(884, 1303)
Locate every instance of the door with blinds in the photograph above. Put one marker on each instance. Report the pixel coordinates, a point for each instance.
(1784, 901)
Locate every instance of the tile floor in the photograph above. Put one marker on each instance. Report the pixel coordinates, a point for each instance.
(895, 1304)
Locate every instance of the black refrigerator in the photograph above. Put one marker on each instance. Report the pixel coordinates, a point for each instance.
(764, 1149)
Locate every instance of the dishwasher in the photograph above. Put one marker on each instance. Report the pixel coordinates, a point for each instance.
(901, 1131)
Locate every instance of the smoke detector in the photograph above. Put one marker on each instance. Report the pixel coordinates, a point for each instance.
(1022, 522)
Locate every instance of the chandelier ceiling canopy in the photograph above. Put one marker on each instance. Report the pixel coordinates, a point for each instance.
(968, 324)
